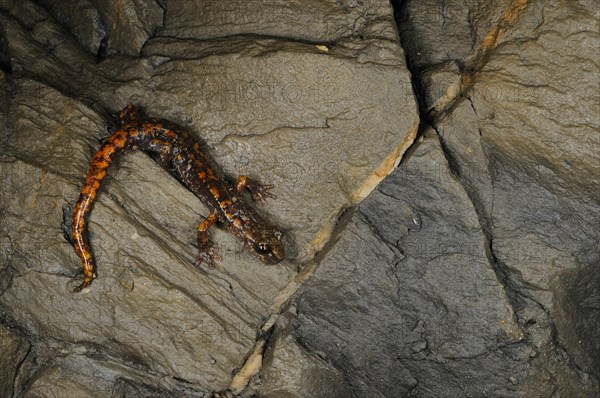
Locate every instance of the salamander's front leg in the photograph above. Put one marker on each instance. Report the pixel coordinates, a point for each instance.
(259, 192)
(208, 253)
(129, 114)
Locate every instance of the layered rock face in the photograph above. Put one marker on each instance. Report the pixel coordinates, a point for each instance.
(437, 172)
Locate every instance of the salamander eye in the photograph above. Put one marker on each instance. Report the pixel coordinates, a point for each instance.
(262, 248)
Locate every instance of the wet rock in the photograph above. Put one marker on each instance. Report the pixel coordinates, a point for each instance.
(109, 27)
(471, 271)
(13, 349)
(534, 176)
(80, 376)
(309, 116)
(408, 295)
(292, 371)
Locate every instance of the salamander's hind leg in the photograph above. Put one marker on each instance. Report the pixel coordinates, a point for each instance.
(208, 253)
(259, 192)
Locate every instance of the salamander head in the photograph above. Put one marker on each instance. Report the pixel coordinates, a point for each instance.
(258, 236)
(265, 243)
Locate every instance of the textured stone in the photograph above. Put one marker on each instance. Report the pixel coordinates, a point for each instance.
(80, 376)
(408, 295)
(148, 287)
(124, 25)
(471, 271)
(527, 147)
(13, 349)
(292, 371)
(434, 32)
(277, 115)
(316, 21)
(311, 118)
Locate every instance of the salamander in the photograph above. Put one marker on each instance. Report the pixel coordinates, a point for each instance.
(177, 151)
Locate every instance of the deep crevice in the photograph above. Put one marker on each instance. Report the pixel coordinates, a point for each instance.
(429, 118)
(5, 63)
(425, 119)
(102, 49)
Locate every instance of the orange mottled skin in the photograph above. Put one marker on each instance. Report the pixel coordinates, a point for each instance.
(178, 152)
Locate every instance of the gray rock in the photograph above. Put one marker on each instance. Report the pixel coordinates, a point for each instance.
(411, 302)
(530, 161)
(13, 349)
(531, 180)
(315, 21)
(301, 111)
(408, 296)
(80, 376)
(292, 371)
(149, 289)
(125, 26)
(306, 115)
(434, 32)
(471, 271)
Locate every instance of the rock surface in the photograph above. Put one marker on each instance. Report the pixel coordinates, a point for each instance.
(108, 27)
(529, 183)
(405, 284)
(290, 370)
(307, 113)
(410, 297)
(526, 145)
(472, 269)
(13, 350)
